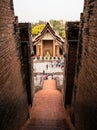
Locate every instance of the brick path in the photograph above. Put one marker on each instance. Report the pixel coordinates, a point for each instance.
(48, 112)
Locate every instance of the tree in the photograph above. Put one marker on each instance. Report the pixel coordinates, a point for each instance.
(59, 27)
(62, 34)
(37, 29)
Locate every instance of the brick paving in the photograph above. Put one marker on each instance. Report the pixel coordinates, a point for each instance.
(48, 111)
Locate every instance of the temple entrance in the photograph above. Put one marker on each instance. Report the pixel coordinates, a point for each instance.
(48, 48)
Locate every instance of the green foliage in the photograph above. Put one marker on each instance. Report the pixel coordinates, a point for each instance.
(59, 27)
(37, 29)
(62, 34)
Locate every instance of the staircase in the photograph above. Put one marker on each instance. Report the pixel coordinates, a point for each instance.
(48, 111)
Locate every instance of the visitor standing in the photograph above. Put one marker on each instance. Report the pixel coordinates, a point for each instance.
(46, 76)
(47, 66)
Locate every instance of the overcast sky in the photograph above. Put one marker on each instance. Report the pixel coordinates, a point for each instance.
(34, 10)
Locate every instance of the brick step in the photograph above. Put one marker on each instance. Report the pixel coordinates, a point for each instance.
(48, 111)
(46, 125)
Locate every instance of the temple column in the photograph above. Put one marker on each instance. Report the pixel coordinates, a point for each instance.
(58, 50)
(41, 48)
(37, 50)
(53, 47)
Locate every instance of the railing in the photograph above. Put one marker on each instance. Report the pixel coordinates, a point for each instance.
(40, 58)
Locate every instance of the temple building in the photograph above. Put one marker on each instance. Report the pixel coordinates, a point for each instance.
(48, 43)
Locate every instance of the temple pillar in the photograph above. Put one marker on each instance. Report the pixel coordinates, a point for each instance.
(58, 50)
(41, 48)
(53, 47)
(37, 48)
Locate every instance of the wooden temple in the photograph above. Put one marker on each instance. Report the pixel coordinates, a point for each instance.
(48, 43)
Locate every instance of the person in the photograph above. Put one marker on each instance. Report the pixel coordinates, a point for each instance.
(43, 72)
(52, 76)
(46, 76)
(47, 66)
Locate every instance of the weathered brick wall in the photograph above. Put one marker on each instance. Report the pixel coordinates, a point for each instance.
(17, 33)
(72, 31)
(25, 45)
(78, 65)
(13, 98)
(86, 97)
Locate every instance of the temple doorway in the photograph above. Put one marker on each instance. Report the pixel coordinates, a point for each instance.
(48, 48)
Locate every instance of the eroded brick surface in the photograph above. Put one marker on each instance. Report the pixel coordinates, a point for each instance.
(25, 53)
(72, 32)
(86, 81)
(13, 103)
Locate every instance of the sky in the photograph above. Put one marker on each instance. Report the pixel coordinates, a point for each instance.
(35, 10)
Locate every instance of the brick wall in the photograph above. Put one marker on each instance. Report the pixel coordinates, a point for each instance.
(78, 65)
(13, 98)
(86, 74)
(17, 33)
(25, 46)
(72, 31)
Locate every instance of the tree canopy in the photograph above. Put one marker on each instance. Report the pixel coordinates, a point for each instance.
(37, 29)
